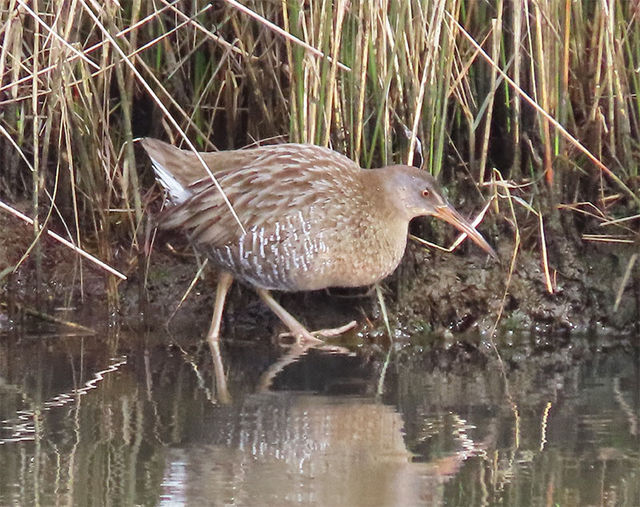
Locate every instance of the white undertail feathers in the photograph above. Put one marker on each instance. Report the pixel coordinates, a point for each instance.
(176, 192)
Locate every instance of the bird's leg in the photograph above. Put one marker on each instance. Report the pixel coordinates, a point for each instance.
(299, 332)
(224, 282)
(213, 336)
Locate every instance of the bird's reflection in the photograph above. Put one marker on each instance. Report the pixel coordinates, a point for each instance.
(294, 354)
(290, 447)
(290, 442)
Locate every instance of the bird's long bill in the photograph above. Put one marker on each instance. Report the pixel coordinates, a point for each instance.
(451, 216)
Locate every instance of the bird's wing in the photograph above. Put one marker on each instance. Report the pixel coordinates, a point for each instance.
(271, 184)
(185, 167)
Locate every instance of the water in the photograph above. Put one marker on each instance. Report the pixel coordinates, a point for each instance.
(124, 419)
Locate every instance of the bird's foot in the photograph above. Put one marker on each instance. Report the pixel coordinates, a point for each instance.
(334, 331)
(306, 338)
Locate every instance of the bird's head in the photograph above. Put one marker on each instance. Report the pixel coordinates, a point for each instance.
(417, 193)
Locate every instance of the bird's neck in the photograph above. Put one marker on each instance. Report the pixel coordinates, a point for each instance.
(382, 187)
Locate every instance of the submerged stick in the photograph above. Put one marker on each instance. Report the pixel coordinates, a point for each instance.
(52, 318)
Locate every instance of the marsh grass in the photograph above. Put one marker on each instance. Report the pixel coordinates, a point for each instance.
(79, 81)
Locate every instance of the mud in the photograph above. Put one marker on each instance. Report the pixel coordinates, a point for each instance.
(432, 293)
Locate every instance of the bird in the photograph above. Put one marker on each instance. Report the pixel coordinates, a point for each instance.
(304, 218)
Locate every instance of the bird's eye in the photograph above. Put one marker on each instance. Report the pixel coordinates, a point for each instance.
(425, 193)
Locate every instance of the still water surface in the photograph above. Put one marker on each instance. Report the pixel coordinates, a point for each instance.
(122, 419)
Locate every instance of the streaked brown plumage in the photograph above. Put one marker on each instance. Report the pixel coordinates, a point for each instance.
(312, 218)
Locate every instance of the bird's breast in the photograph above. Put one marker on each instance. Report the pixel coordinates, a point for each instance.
(336, 241)
(361, 253)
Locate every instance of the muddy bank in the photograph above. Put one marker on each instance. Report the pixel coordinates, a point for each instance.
(466, 292)
(432, 292)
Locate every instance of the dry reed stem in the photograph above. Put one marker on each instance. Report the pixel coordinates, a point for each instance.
(498, 181)
(337, 31)
(625, 280)
(461, 237)
(544, 100)
(496, 36)
(54, 34)
(168, 116)
(552, 120)
(285, 34)
(516, 69)
(545, 257)
(66, 243)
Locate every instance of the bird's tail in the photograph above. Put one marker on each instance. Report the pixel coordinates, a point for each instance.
(166, 160)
